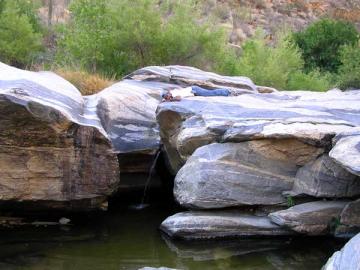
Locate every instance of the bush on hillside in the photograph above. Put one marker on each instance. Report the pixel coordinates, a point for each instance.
(280, 66)
(320, 43)
(19, 42)
(314, 80)
(349, 71)
(121, 36)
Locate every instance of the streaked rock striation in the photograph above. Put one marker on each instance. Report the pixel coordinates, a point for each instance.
(314, 118)
(58, 146)
(52, 147)
(247, 173)
(313, 218)
(219, 224)
(127, 109)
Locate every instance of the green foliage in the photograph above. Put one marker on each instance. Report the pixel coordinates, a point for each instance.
(314, 80)
(88, 38)
(290, 202)
(279, 66)
(349, 71)
(19, 41)
(120, 36)
(320, 43)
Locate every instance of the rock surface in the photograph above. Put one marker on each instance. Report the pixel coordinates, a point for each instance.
(325, 178)
(247, 173)
(52, 148)
(127, 109)
(312, 218)
(58, 146)
(349, 220)
(219, 224)
(347, 258)
(313, 118)
(347, 150)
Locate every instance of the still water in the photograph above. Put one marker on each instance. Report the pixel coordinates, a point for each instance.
(129, 239)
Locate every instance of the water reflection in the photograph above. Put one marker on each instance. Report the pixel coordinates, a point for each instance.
(128, 239)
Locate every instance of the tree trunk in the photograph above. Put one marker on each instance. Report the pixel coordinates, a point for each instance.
(50, 12)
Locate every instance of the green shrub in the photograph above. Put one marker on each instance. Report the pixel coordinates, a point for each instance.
(349, 72)
(280, 65)
(270, 66)
(314, 80)
(320, 43)
(121, 36)
(19, 42)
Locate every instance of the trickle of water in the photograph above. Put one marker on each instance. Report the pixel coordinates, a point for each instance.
(143, 205)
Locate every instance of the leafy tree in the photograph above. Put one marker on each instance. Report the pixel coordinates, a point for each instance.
(320, 43)
(313, 80)
(267, 65)
(89, 36)
(120, 36)
(349, 71)
(279, 65)
(19, 41)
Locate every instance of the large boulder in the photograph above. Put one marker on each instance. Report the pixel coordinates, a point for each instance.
(313, 218)
(187, 76)
(349, 220)
(52, 147)
(127, 109)
(314, 118)
(347, 258)
(247, 173)
(347, 150)
(219, 224)
(325, 178)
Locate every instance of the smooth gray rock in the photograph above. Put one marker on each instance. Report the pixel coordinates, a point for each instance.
(188, 76)
(311, 117)
(349, 220)
(219, 224)
(346, 151)
(246, 173)
(348, 258)
(127, 109)
(325, 178)
(313, 218)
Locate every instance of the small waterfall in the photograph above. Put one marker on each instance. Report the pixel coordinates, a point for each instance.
(143, 205)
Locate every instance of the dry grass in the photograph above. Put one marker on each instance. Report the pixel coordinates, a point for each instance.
(87, 83)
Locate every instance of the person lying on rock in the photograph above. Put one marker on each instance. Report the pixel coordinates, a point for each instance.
(199, 91)
(178, 94)
(168, 97)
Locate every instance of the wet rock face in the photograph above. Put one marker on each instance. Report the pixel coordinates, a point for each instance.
(312, 218)
(219, 224)
(247, 173)
(346, 258)
(52, 149)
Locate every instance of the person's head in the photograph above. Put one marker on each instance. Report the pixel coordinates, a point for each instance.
(167, 96)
